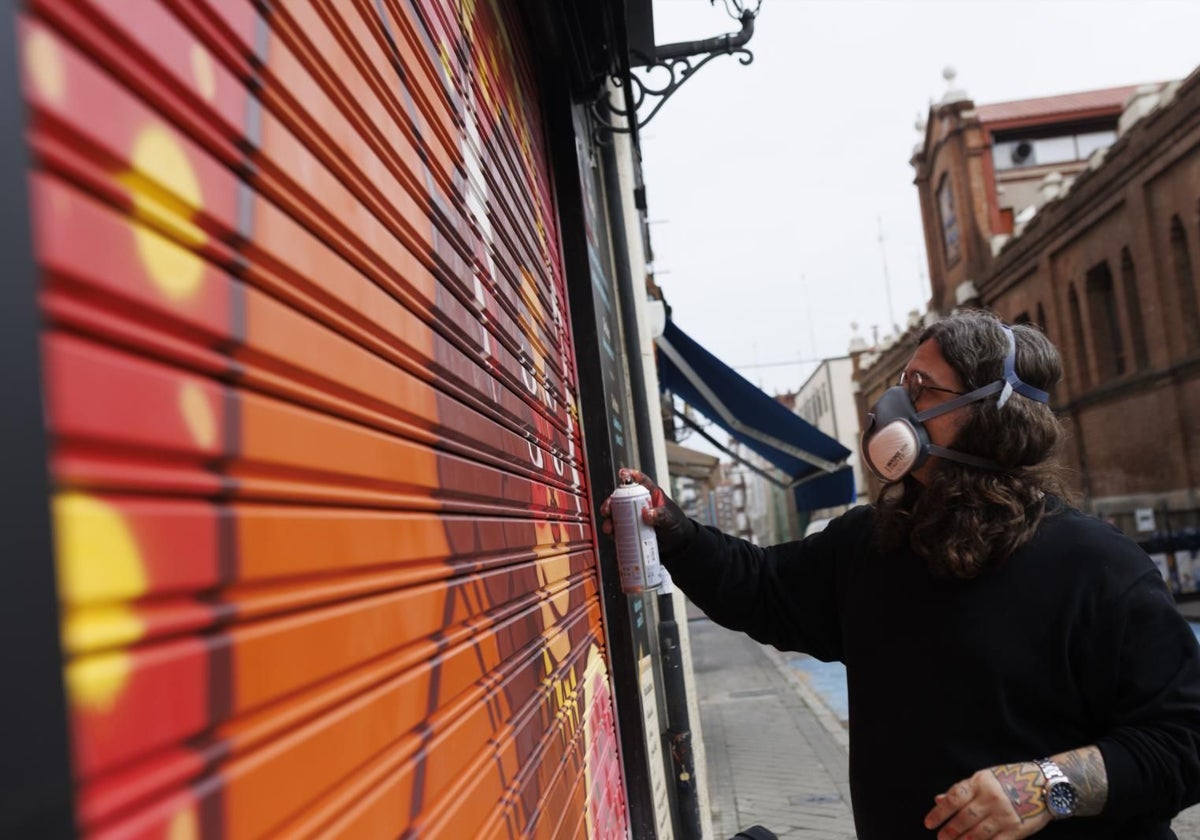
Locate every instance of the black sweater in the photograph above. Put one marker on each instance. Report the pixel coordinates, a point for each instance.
(1074, 640)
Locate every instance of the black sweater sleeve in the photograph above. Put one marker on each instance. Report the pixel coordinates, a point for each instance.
(1152, 747)
(787, 595)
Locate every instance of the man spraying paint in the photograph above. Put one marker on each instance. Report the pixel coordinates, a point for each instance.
(1035, 676)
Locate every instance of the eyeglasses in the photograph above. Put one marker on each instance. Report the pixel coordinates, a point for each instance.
(914, 383)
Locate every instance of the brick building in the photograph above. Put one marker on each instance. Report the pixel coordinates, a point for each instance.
(1081, 214)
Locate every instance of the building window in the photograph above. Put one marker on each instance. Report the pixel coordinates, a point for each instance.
(1078, 345)
(1010, 152)
(1086, 144)
(1185, 285)
(1133, 308)
(1106, 323)
(945, 199)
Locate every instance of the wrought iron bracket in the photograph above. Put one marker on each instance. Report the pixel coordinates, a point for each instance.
(680, 62)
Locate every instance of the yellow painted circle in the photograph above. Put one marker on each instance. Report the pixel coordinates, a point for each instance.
(444, 54)
(198, 414)
(43, 63)
(165, 190)
(90, 629)
(97, 555)
(184, 825)
(95, 682)
(203, 72)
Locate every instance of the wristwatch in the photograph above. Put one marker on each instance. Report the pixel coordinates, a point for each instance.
(1060, 795)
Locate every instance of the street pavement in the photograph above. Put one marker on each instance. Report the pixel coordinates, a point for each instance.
(776, 754)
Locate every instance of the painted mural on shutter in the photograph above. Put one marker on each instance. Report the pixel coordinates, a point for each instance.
(325, 556)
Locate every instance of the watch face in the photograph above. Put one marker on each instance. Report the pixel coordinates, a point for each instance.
(1061, 799)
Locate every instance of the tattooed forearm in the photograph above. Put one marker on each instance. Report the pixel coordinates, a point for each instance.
(1022, 785)
(1085, 768)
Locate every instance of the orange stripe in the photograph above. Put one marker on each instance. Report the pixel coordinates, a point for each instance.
(305, 346)
(282, 541)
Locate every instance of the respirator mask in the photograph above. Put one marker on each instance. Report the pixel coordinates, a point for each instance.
(896, 441)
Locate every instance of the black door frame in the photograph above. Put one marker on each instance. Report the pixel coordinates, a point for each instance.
(36, 793)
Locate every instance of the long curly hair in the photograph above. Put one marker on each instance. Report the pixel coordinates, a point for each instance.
(966, 519)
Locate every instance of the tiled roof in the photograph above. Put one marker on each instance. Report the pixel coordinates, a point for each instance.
(1045, 106)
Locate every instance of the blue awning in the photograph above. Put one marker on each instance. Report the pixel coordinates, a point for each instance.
(814, 463)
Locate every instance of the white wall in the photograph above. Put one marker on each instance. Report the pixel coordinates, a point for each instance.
(826, 400)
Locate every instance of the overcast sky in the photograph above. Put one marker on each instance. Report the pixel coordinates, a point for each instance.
(767, 183)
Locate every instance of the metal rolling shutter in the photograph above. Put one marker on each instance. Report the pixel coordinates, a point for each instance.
(325, 557)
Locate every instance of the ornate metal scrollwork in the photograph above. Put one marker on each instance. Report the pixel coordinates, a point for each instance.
(681, 62)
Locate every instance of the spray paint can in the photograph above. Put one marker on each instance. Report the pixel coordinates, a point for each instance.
(637, 544)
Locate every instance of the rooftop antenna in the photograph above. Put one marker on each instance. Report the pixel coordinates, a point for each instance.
(887, 282)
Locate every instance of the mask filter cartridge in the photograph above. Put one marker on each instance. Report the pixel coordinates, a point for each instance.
(893, 450)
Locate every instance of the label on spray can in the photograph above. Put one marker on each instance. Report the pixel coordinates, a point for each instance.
(637, 544)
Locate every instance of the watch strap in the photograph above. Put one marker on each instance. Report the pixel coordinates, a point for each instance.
(1057, 787)
(1051, 770)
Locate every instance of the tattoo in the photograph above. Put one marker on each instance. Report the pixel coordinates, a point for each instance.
(1085, 768)
(1022, 784)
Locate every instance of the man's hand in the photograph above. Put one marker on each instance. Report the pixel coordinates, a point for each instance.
(999, 803)
(669, 522)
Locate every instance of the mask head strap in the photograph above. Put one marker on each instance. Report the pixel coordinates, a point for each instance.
(958, 402)
(963, 457)
(1012, 382)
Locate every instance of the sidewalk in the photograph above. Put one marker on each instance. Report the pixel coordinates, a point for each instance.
(774, 758)
(776, 755)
